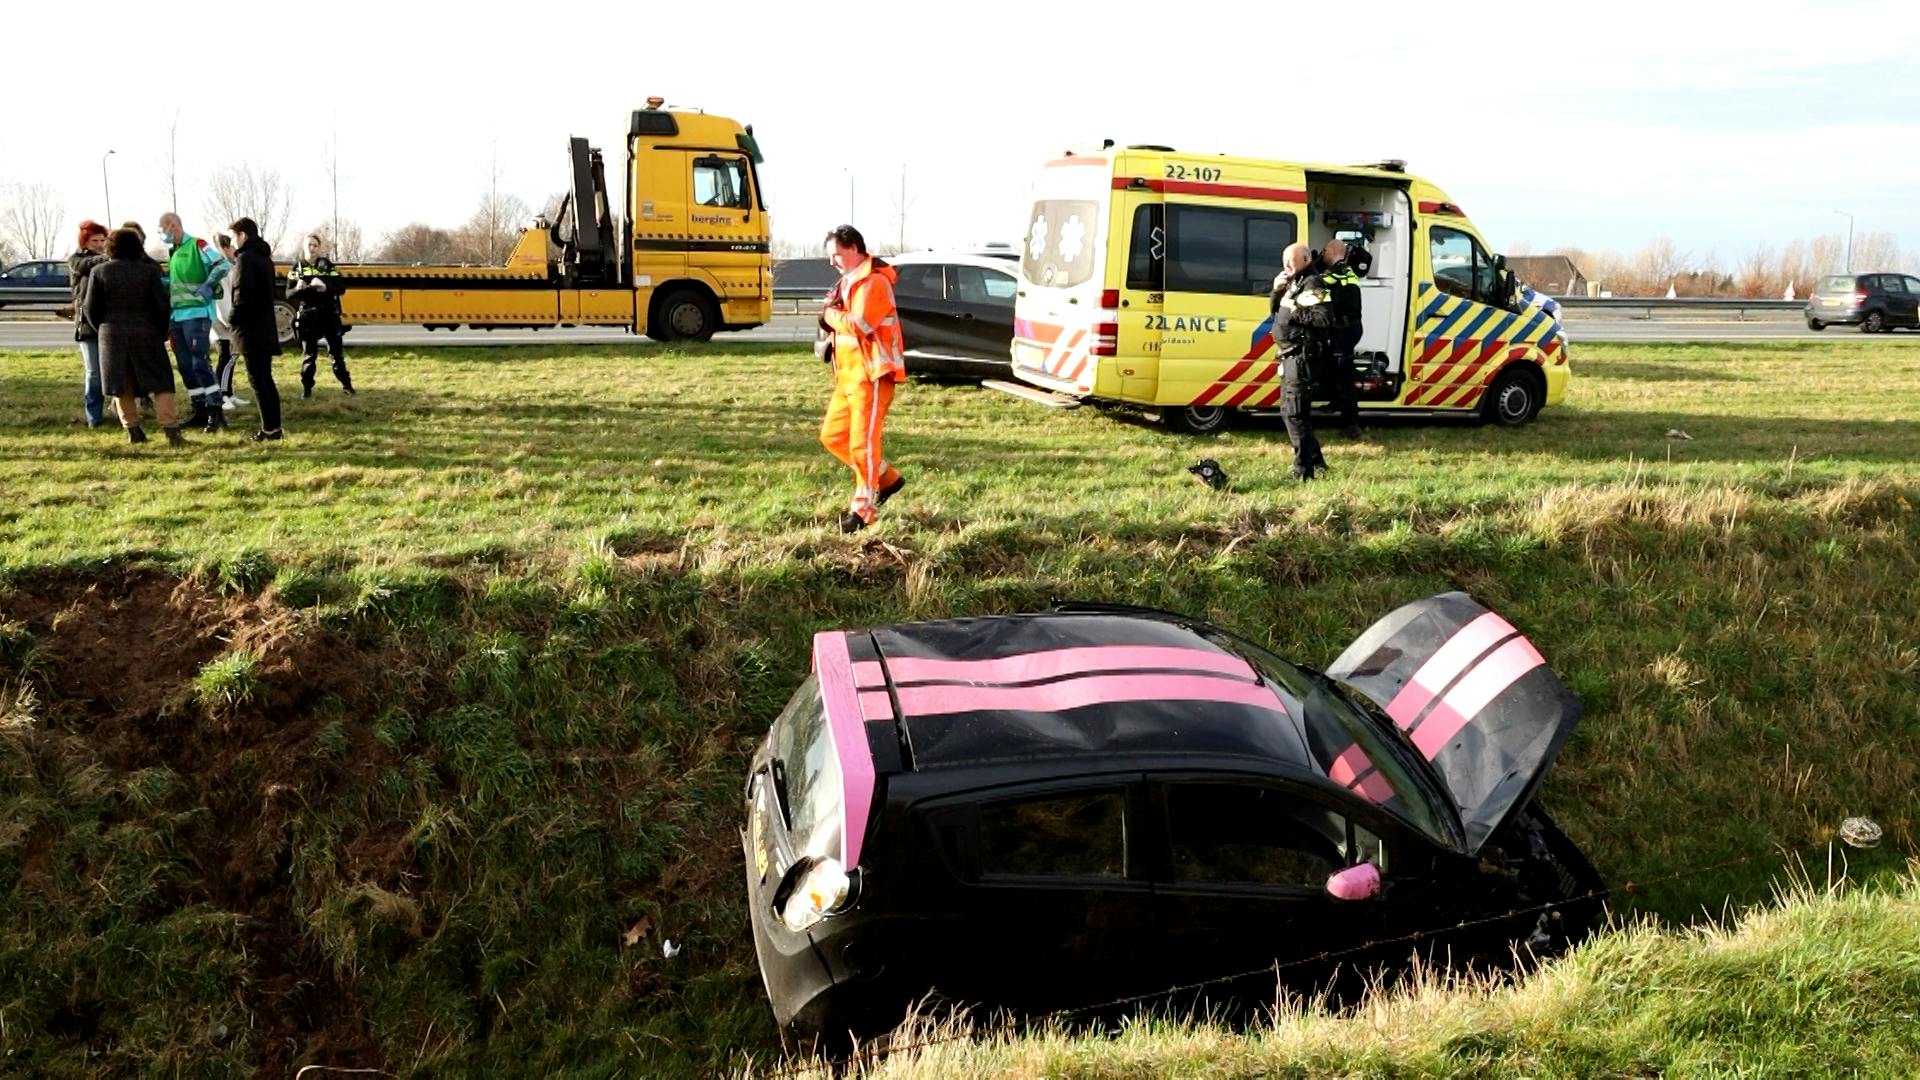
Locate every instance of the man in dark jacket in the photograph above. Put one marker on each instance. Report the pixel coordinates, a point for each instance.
(1302, 310)
(1334, 378)
(256, 334)
(315, 286)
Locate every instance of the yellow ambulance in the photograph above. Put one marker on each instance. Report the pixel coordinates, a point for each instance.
(1146, 277)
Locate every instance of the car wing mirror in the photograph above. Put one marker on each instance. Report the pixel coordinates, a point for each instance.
(1360, 882)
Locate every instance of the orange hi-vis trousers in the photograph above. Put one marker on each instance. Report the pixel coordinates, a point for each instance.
(856, 419)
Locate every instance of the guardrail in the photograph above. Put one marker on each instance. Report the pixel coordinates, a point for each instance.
(1648, 306)
(24, 296)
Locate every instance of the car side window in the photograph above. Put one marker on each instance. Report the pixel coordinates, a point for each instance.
(1893, 284)
(1243, 834)
(1082, 834)
(1913, 286)
(921, 282)
(973, 285)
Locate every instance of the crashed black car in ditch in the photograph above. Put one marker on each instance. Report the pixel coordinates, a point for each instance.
(1047, 811)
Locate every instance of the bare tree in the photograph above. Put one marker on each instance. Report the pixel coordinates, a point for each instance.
(417, 243)
(7, 257)
(348, 245)
(1876, 251)
(238, 191)
(170, 161)
(31, 219)
(490, 234)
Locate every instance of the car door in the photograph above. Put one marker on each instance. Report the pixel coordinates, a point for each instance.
(1903, 303)
(1465, 326)
(1051, 899)
(1241, 882)
(927, 326)
(1474, 697)
(981, 300)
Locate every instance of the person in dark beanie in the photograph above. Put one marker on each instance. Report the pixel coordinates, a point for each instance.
(91, 253)
(256, 334)
(127, 305)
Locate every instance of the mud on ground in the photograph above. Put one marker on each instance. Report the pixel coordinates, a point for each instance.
(115, 670)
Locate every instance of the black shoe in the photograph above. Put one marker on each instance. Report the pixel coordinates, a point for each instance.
(1302, 475)
(267, 436)
(216, 420)
(135, 435)
(174, 438)
(888, 492)
(347, 388)
(306, 390)
(197, 418)
(852, 523)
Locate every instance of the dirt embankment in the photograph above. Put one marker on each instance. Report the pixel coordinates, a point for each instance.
(116, 671)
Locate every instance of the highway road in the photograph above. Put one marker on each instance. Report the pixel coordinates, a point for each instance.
(48, 334)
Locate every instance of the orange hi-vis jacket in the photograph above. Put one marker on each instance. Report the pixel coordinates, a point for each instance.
(867, 344)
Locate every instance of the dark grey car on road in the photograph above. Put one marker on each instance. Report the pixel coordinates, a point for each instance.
(1872, 302)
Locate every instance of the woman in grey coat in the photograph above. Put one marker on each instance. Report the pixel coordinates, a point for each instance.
(127, 304)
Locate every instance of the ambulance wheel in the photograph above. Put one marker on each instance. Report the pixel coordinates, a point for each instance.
(1873, 323)
(1200, 419)
(688, 315)
(283, 322)
(1515, 398)
(1816, 325)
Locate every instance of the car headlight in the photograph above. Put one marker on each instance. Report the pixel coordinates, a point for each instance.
(822, 889)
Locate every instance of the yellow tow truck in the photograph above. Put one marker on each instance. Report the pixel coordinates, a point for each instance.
(694, 259)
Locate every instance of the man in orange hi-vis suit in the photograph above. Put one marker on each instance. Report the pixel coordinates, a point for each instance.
(869, 361)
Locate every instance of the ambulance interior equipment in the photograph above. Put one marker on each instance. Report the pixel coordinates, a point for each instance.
(1372, 217)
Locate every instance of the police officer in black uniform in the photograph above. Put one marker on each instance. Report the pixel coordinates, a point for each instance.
(315, 287)
(1302, 312)
(1333, 379)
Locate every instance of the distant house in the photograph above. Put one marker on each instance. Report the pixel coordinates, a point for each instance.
(1554, 275)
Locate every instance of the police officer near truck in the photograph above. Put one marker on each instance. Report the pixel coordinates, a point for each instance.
(1302, 317)
(315, 288)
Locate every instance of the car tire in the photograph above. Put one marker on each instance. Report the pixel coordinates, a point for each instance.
(1816, 325)
(1514, 399)
(1205, 420)
(1565, 877)
(1874, 323)
(686, 315)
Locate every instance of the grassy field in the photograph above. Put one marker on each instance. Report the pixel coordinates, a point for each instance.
(405, 743)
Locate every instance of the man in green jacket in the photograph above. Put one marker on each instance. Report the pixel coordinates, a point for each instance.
(194, 270)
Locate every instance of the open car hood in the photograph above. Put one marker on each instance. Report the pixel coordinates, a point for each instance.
(1474, 696)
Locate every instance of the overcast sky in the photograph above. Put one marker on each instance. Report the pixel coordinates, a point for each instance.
(1722, 126)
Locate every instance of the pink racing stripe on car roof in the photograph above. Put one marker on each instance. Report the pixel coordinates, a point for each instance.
(846, 726)
(941, 699)
(1054, 663)
(869, 675)
(1488, 680)
(1445, 665)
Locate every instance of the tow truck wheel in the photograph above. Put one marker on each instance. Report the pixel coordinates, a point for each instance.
(1873, 323)
(1200, 420)
(1515, 399)
(687, 315)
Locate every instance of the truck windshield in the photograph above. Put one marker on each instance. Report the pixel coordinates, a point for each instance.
(811, 791)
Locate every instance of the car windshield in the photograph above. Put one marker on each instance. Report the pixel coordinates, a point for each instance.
(1340, 724)
(809, 773)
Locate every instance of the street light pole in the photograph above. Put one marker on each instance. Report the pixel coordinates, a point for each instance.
(1849, 218)
(105, 188)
